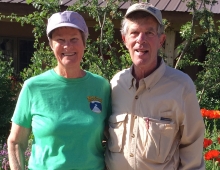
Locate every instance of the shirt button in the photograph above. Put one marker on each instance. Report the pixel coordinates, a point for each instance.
(132, 135)
(134, 116)
(131, 155)
(136, 97)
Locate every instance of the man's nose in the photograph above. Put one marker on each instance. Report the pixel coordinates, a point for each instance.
(142, 38)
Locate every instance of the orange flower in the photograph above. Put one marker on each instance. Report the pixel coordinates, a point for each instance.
(215, 114)
(207, 142)
(204, 113)
(210, 114)
(212, 154)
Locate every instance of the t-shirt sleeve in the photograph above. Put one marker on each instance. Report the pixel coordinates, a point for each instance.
(22, 113)
(109, 110)
(109, 106)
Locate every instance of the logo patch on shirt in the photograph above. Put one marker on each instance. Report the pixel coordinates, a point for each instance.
(95, 104)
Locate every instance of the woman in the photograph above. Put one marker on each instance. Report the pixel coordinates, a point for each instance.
(65, 107)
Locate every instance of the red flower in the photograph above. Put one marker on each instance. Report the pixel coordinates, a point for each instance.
(212, 154)
(210, 114)
(215, 114)
(204, 112)
(218, 140)
(207, 142)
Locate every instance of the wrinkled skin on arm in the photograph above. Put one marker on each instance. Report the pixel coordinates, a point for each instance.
(17, 145)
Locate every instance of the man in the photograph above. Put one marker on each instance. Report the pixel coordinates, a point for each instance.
(156, 122)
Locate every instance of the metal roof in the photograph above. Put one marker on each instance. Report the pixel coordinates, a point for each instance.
(164, 5)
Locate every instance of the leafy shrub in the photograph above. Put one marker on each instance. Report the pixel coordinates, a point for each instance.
(212, 139)
(8, 95)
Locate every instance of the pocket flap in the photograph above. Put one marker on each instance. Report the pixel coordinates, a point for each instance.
(117, 118)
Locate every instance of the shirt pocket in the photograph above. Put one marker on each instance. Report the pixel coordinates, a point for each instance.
(159, 139)
(116, 131)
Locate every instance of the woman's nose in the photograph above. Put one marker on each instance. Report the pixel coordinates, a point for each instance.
(66, 44)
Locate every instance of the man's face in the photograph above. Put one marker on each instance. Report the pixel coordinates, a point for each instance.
(143, 42)
(68, 47)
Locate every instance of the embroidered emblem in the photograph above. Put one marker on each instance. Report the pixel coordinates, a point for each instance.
(95, 104)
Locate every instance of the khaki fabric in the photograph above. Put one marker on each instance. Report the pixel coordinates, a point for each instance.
(157, 126)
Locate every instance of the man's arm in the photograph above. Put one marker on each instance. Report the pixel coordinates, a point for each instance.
(17, 145)
(192, 131)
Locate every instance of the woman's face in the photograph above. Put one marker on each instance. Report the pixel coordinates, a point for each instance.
(67, 45)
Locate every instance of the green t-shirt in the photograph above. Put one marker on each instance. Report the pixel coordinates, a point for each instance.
(67, 117)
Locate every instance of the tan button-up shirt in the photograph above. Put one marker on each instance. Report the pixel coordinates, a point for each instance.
(157, 126)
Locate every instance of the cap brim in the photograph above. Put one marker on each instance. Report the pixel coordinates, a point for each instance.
(62, 25)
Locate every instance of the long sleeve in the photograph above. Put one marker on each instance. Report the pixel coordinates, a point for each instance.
(192, 131)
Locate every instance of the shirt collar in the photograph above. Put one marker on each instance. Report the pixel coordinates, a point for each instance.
(150, 80)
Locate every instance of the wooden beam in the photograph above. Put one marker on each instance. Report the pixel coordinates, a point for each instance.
(169, 47)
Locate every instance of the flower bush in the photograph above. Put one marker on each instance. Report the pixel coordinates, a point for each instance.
(4, 162)
(4, 158)
(9, 88)
(211, 142)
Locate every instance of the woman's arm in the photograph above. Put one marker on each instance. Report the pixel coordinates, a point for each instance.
(17, 145)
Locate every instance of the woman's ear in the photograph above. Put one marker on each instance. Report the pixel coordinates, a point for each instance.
(50, 43)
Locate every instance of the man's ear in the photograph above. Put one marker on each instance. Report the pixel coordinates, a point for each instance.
(124, 40)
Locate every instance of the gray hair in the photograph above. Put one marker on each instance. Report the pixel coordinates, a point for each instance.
(135, 16)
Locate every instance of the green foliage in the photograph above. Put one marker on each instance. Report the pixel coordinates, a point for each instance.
(102, 56)
(8, 91)
(212, 138)
(106, 55)
(212, 133)
(203, 30)
(42, 60)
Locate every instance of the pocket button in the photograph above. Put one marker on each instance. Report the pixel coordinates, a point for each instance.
(131, 155)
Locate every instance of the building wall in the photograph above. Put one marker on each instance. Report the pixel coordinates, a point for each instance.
(23, 35)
